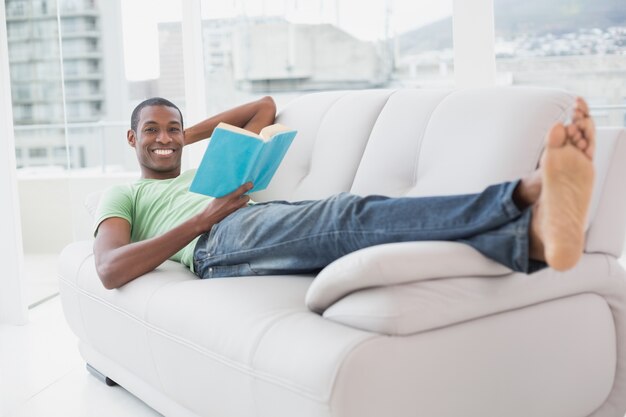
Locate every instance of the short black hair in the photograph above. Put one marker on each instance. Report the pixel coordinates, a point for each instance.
(154, 101)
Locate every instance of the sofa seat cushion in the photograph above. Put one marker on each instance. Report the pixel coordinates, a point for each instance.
(227, 316)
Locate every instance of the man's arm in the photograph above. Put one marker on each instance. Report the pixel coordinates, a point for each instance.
(252, 116)
(118, 261)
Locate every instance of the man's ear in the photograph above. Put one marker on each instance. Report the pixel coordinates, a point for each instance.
(131, 138)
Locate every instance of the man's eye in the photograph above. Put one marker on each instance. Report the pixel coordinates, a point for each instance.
(150, 130)
(174, 129)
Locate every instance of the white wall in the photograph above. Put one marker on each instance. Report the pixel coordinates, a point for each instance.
(53, 209)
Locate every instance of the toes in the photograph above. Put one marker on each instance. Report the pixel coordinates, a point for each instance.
(588, 130)
(571, 130)
(557, 136)
(582, 106)
(587, 126)
(578, 115)
(581, 132)
(579, 142)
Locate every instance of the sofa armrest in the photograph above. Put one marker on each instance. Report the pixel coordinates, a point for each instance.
(72, 259)
(426, 304)
(397, 263)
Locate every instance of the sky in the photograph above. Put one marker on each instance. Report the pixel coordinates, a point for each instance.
(364, 19)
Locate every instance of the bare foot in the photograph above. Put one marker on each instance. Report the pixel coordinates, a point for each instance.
(559, 215)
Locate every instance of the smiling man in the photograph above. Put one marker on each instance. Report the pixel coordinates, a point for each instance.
(527, 224)
(140, 225)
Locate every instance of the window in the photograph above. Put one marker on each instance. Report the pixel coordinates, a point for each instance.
(73, 110)
(73, 47)
(23, 112)
(50, 90)
(92, 66)
(59, 152)
(70, 25)
(73, 88)
(37, 153)
(22, 72)
(41, 7)
(45, 29)
(18, 30)
(47, 48)
(16, 8)
(21, 92)
(71, 68)
(46, 69)
(90, 23)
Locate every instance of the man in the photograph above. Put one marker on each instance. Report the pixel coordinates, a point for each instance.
(524, 225)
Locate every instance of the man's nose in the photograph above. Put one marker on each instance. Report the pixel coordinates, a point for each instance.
(164, 137)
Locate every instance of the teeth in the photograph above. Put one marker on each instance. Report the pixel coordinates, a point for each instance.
(163, 151)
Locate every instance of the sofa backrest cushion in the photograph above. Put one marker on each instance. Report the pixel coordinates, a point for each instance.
(333, 130)
(455, 142)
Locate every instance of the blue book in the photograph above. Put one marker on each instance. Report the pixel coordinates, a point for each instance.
(235, 156)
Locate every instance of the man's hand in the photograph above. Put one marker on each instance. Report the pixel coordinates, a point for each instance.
(118, 261)
(220, 208)
(252, 116)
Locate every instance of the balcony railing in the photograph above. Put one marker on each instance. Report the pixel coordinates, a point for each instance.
(88, 145)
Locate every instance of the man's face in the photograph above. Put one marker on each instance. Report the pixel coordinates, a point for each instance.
(158, 142)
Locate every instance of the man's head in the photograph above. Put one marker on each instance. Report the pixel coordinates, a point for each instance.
(156, 133)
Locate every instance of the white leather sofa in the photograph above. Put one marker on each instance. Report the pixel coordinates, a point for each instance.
(428, 329)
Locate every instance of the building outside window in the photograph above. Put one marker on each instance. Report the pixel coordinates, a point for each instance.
(578, 46)
(288, 48)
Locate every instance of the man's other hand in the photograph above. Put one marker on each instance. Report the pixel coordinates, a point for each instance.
(220, 208)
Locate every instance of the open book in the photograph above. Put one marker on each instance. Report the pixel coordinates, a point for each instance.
(235, 156)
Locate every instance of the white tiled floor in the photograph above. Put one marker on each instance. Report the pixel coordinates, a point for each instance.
(43, 375)
(40, 276)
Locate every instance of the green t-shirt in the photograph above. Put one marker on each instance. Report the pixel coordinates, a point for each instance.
(154, 207)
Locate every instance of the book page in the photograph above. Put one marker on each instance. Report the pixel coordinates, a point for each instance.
(236, 129)
(269, 131)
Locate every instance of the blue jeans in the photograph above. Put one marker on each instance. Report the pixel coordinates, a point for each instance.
(280, 237)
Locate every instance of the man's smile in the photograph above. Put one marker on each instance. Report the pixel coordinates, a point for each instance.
(163, 151)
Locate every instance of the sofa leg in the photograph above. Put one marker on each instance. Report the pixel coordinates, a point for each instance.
(93, 371)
